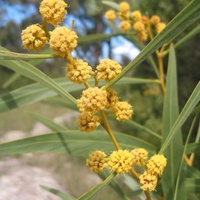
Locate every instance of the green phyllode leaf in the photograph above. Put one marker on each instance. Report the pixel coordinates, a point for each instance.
(174, 151)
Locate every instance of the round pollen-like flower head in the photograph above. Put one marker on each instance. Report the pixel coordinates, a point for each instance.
(33, 37)
(148, 181)
(142, 36)
(140, 156)
(138, 26)
(108, 69)
(88, 122)
(53, 11)
(63, 41)
(78, 71)
(124, 7)
(112, 98)
(92, 100)
(136, 15)
(120, 161)
(96, 161)
(110, 15)
(160, 26)
(125, 25)
(157, 164)
(122, 111)
(155, 19)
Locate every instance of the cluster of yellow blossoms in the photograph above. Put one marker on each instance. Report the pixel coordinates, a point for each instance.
(143, 25)
(96, 101)
(122, 161)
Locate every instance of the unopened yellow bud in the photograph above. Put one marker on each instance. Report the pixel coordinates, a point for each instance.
(142, 36)
(53, 11)
(63, 41)
(96, 161)
(112, 98)
(33, 37)
(110, 15)
(120, 161)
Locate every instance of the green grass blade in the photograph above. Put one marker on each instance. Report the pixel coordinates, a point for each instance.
(193, 148)
(185, 18)
(186, 111)
(47, 122)
(33, 73)
(11, 80)
(60, 194)
(192, 185)
(174, 151)
(77, 143)
(91, 194)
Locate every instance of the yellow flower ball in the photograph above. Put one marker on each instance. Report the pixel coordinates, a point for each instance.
(53, 11)
(93, 100)
(108, 69)
(122, 111)
(88, 122)
(136, 15)
(63, 41)
(120, 161)
(160, 26)
(156, 164)
(148, 181)
(96, 161)
(112, 98)
(155, 19)
(125, 25)
(33, 37)
(110, 15)
(140, 156)
(124, 7)
(142, 36)
(78, 71)
(138, 26)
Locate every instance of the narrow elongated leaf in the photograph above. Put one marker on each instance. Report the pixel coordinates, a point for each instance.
(60, 194)
(185, 18)
(193, 148)
(73, 142)
(31, 72)
(37, 92)
(174, 151)
(186, 111)
(192, 185)
(91, 194)
(47, 122)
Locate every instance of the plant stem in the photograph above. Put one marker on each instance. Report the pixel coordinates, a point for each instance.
(108, 129)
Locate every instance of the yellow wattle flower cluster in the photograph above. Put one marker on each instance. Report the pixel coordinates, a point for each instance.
(61, 40)
(34, 37)
(154, 168)
(141, 24)
(96, 161)
(53, 11)
(140, 156)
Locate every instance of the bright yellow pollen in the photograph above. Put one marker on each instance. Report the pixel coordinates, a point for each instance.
(110, 15)
(53, 11)
(125, 25)
(155, 19)
(148, 181)
(160, 26)
(136, 15)
(96, 161)
(63, 41)
(139, 26)
(120, 161)
(33, 37)
(140, 156)
(124, 7)
(112, 98)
